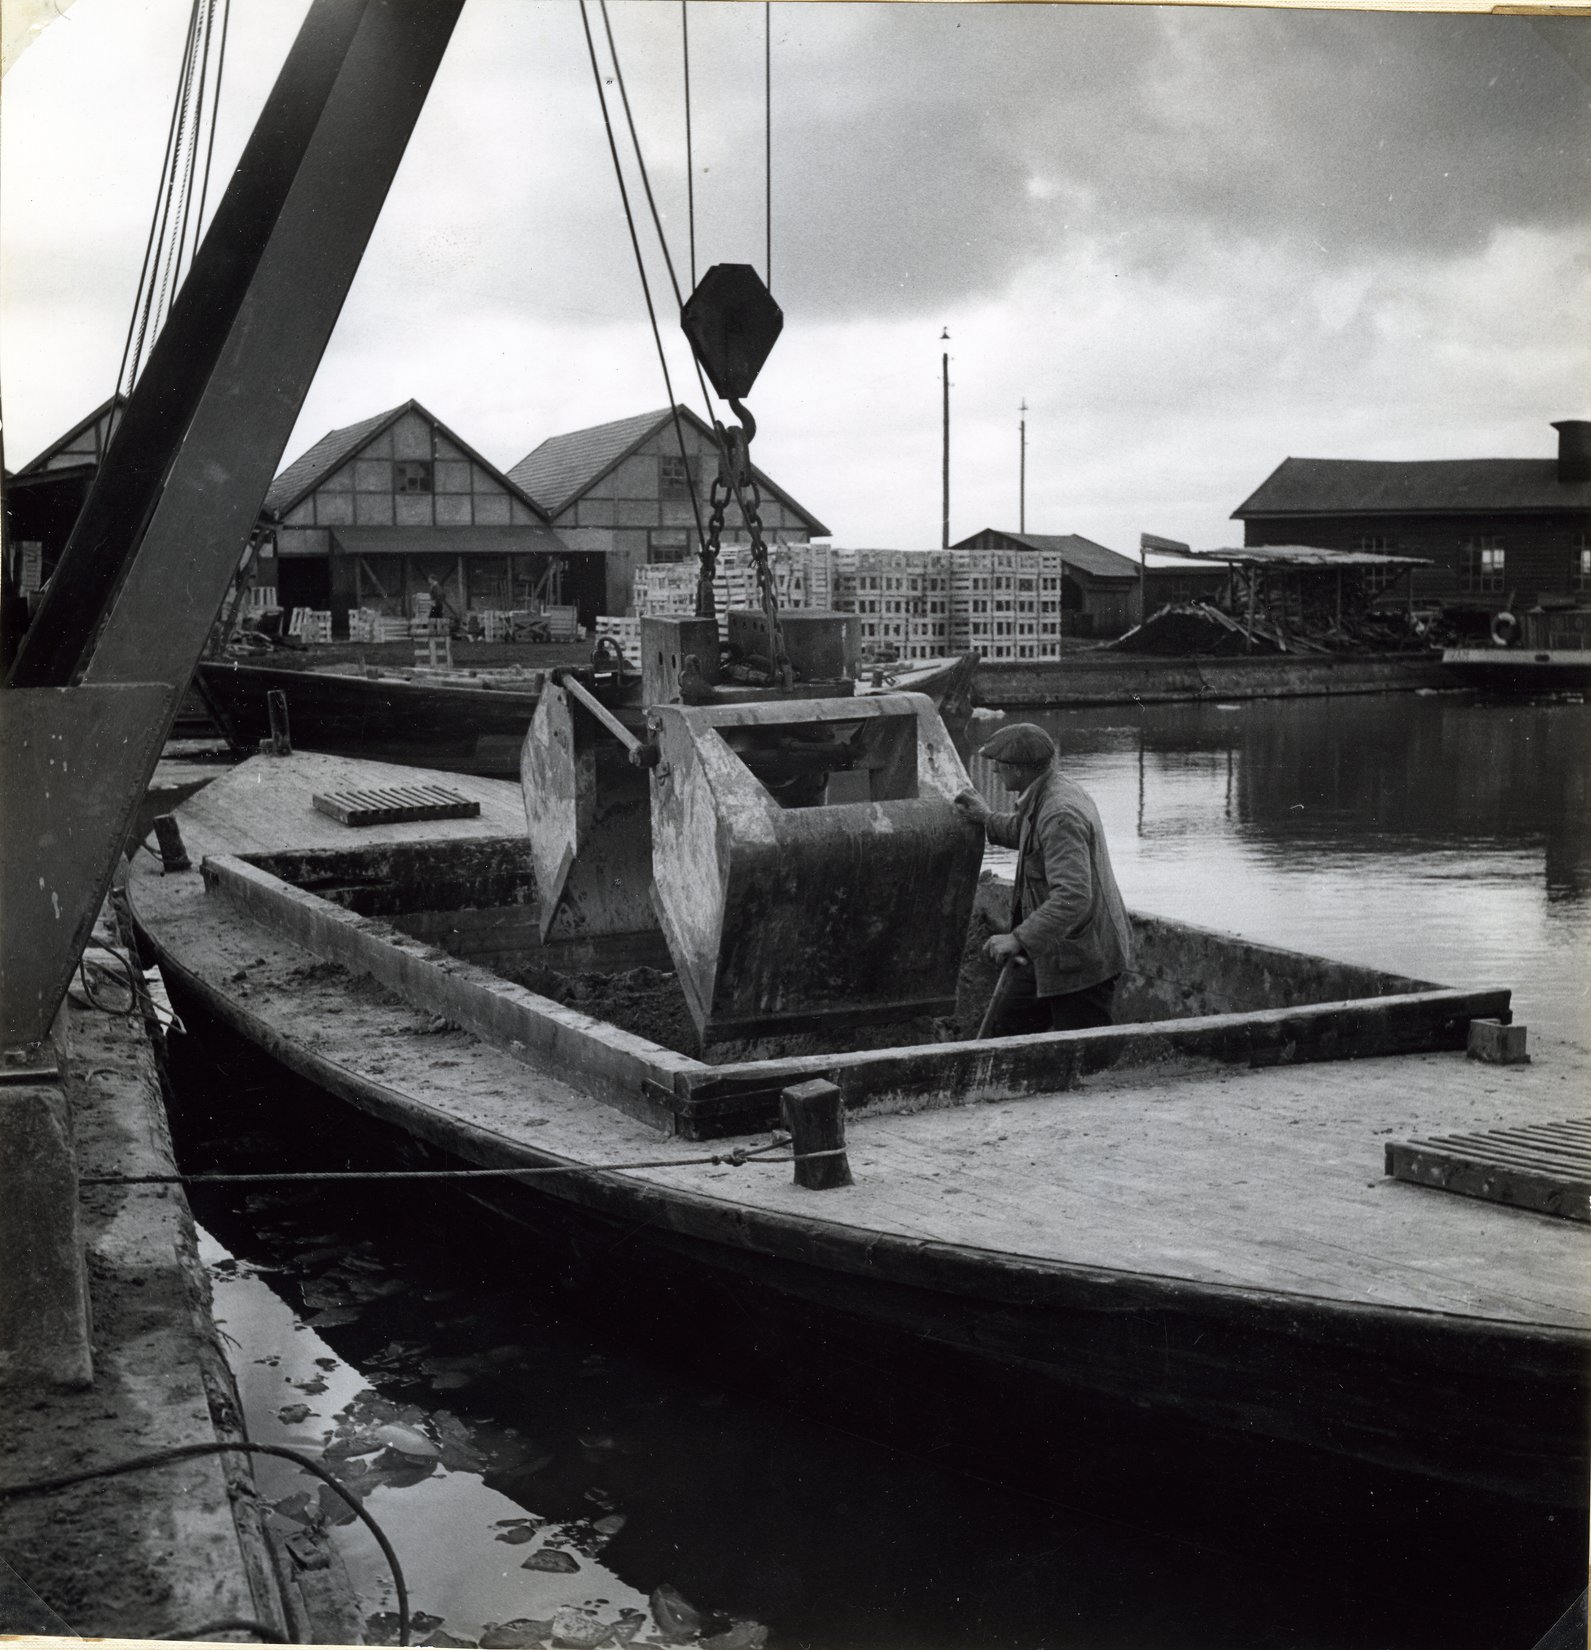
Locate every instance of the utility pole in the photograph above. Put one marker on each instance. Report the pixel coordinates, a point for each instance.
(1022, 473)
(944, 378)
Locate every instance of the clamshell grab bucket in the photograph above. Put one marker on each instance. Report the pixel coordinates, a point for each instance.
(809, 868)
(586, 809)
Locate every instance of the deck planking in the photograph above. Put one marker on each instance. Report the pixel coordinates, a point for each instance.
(1268, 1182)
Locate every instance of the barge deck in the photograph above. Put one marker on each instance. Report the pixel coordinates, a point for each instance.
(1212, 1237)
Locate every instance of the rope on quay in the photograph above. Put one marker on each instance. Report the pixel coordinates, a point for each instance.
(735, 1159)
(188, 1452)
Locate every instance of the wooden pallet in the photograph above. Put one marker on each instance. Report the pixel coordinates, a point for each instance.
(395, 805)
(1540, 1166)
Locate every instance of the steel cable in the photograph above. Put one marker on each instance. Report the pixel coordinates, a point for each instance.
(190, 1452)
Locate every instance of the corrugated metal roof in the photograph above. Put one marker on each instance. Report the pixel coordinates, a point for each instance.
(1080, 553)
(1307, 555)
(563, 467)
(452, 541)
(1165, 561)
(1355, 486)
(310, 468)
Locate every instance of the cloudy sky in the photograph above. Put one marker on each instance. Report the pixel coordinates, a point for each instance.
(1193, 240)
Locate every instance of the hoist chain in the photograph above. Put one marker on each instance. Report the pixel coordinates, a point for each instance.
(734, 479)
(717, 498)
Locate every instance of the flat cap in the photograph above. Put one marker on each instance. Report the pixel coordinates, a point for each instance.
(1020, 742)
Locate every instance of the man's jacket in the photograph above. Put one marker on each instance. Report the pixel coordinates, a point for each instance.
(1067, 910)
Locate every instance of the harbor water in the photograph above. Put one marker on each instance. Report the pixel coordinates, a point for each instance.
(660, 1462)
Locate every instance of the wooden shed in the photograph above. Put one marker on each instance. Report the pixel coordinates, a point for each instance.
(374, 512)
(629, 483)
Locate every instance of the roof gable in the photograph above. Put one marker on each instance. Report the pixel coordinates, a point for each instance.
(337, 447)
(84, 443)
(565, 467)
(1080, 553)
(1357, 486)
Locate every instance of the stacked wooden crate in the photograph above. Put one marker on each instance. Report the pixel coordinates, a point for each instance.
(1006, 604)
(902, 599)
(924, 604)
(624, 633)
(367, 624)
(803, 577)
(309, 624)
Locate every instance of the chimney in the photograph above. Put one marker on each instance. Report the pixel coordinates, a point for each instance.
(1574, 449)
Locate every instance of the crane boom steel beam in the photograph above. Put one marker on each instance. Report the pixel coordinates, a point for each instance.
(105, 536)
(200, 482)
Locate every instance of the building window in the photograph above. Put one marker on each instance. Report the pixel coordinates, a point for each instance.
(1481, 566)
(412, 475)
(1580, 565)
(668, 546)
(1377, 543)
(675, 478)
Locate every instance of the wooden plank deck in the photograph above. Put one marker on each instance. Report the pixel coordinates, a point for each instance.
(1263, 1182)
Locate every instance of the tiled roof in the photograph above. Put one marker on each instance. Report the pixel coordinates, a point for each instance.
(310, 468)
(563, 467)
(1355, 486)
(1080, 553)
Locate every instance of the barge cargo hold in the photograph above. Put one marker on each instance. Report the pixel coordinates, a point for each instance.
(1188, 1211)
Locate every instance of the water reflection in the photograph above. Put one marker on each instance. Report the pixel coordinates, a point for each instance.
(704, 1465)
(1444, 837)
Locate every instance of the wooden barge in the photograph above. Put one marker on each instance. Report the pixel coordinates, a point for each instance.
(456, 723)
(1187, 1211)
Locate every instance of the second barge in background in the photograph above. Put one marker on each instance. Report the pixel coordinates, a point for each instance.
(457, 722)
(1548, 652)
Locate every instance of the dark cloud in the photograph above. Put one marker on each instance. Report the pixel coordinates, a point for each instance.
(950, 146)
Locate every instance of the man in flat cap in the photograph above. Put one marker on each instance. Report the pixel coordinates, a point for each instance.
(1069, 937)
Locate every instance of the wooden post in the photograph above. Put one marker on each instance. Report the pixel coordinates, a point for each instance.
(814, 1114)
(173, 853)
(281, 741)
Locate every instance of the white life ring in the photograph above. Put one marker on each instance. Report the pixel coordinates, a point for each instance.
(1505, 627)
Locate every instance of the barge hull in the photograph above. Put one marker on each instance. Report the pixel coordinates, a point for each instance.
(1106, 677)
(1465, 1400)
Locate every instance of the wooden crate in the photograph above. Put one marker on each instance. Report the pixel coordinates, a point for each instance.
(1540, 1166)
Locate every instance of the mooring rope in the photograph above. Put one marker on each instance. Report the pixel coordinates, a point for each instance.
(736, 1159)
(188, 1452)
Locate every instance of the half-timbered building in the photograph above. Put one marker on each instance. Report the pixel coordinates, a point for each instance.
(374, 512)
(630, 482)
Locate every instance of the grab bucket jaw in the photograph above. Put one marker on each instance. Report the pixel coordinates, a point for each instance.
(586, 809)
(809, 867)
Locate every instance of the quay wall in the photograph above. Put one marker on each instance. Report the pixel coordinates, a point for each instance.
(1106, 677)
(156, 1553)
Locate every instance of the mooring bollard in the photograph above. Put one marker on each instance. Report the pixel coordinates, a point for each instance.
(1497, 1044)
(173, 853)
(814, 1114)
(280, 742)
